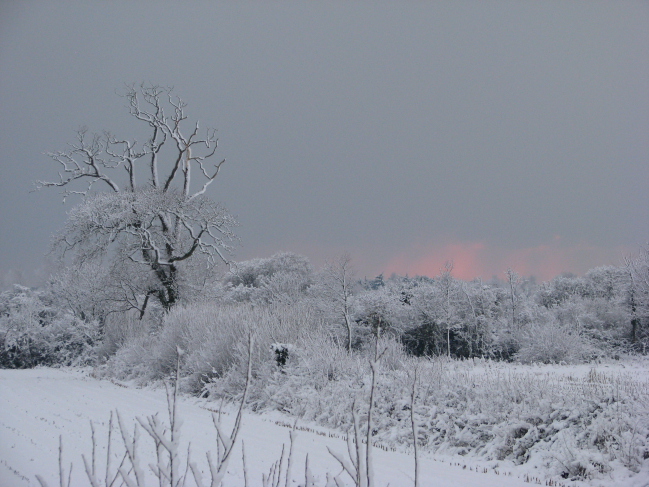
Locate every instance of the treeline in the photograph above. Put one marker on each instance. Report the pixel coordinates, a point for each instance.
(568, 318)
(83, 316)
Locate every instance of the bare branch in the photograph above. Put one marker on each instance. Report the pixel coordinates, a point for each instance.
(209, 178)
(82, 161)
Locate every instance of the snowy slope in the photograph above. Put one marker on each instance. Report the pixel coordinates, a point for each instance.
(38, 405)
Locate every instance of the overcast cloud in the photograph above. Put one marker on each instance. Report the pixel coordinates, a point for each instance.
(489, 133)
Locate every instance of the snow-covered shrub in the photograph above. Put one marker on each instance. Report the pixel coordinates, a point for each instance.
(172, 334)
(552, 342)
(282, 278)
(73, 341)
(33, 332)
(382, 307)
(122, 328)
(318, 382)
(131, 360)
(85, 291)
(211, 333)
(392, 353)
(303, 385)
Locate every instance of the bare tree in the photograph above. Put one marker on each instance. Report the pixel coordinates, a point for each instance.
(336, 289)
(513, 281)
(448, 286)
(148, 229)
(638, 273)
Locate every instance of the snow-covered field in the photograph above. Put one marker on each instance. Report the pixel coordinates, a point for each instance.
(38, 405)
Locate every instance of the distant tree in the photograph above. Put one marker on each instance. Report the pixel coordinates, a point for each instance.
(607, 282)
(150, 233)
(437, 304)
(475, 324)
(637, 269)
(335, 292)
(375, 283)
(562, 288)
(513, 281)
(283, 277)
(448, 287)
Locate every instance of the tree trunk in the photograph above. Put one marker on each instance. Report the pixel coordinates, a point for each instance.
(349, 332)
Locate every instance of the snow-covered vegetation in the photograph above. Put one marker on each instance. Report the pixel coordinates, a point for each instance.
(497, 364)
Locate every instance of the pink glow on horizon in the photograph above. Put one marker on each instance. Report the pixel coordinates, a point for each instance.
(476, 259)
(470, 259)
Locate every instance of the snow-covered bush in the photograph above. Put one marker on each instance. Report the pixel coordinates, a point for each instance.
(553, 342)
(34, 332)
(210, 335)
(131, 361)
(282, 278)
(384, 307)
(73, 341)
(122, 328)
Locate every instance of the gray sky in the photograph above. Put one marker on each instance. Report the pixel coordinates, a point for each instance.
(489, 133)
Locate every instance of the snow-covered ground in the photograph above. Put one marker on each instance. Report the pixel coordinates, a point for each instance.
(38, 405)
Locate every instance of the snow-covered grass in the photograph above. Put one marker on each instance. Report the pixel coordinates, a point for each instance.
(563, 422)
(38, 405)
(524, 422)
(567, 424)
